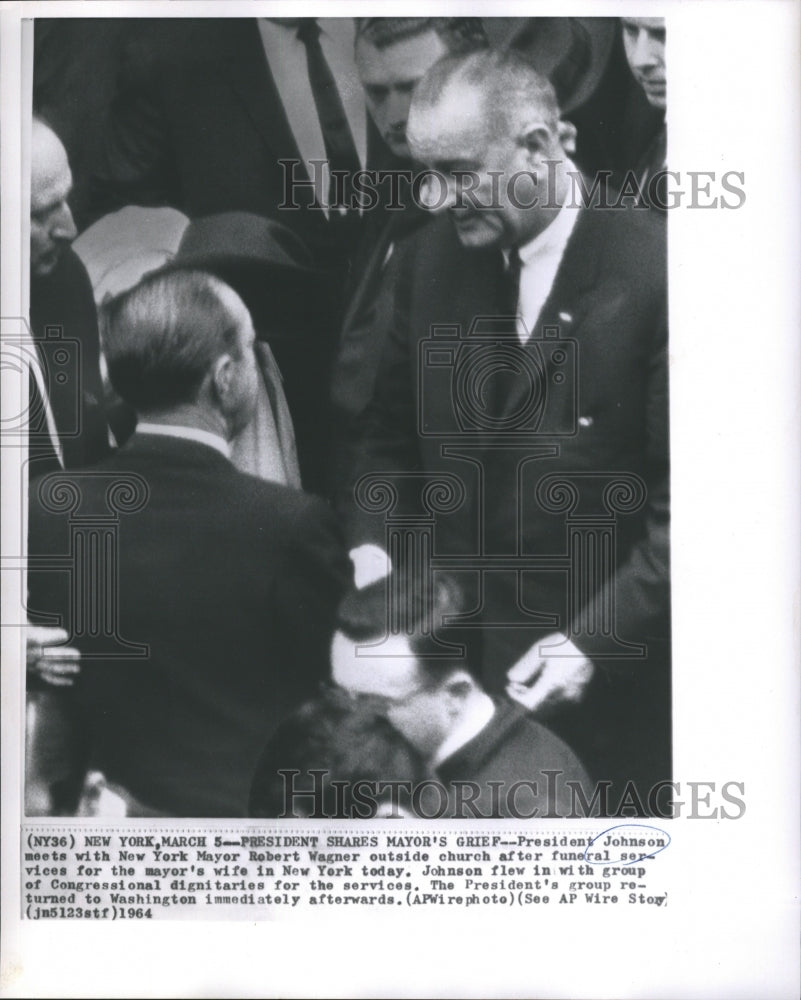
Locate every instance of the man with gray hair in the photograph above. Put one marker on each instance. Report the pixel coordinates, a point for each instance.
(543, 412)
(227, 582)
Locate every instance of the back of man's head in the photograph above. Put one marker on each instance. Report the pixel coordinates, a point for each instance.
(162, 337)
(331, 739)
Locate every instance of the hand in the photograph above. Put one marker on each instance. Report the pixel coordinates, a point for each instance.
(55, 664)
(552, 677)
(370, 563)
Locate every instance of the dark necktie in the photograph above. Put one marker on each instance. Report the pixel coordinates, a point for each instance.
(510, 285)
(340, 148)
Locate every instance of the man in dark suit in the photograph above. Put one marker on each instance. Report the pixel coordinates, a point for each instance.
(225, 114)
(482, 749)
(210, 612)
(527, 371)
(68, 426)
(66, 420)
(392, 55)
(251, 114)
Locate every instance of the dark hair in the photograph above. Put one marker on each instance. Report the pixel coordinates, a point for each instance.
(341, 736)
(458, 34)
(403, 604)
(162, 336)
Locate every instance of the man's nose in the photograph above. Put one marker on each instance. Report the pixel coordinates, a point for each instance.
(398, 110)
(64, 228)
(646, 51)
(438, 191)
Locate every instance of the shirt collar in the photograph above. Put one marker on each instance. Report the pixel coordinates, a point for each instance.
(553, 239)
(209, 438)
(476, 718)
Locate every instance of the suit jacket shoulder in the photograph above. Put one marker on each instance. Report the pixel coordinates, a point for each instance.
(514, 749)
(228, 583)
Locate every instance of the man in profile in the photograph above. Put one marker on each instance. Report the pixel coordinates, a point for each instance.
(644, 44)
(210, 616)
(483, 750)
(68, 423)
(566, 390)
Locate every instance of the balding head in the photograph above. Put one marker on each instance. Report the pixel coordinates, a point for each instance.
(493, 120)
(496, 94)
(52, 225)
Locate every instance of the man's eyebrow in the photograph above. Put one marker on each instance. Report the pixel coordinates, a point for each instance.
(52, 202)
(657, 31)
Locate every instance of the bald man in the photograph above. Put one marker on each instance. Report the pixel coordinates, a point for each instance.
(67, 429)
(68, 423)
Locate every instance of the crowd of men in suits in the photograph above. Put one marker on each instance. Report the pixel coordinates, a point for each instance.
(362, 476)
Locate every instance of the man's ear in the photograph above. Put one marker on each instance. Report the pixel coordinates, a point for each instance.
(222, 374)
(537, 139)
(458, 686)
(567, 137)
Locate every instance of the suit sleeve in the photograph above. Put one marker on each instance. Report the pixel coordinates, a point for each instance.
(135, 166)
(316, 574)
(386, 430)
(640, 588)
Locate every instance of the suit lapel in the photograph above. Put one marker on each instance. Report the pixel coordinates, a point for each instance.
(369, 267)
(568, 305)
(249, 75)
(577, 274)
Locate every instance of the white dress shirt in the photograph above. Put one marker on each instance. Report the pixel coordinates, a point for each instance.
(540, 260)
(286, 55)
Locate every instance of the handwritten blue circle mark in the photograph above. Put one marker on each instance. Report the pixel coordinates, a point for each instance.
(624, 844)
